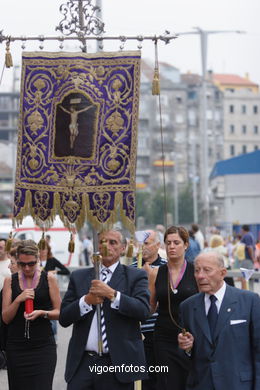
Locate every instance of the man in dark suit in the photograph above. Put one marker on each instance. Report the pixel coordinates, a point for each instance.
(224, 331)
(124, 300)
(150, 259)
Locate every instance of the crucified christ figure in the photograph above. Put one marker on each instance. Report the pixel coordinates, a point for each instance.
(73, 126)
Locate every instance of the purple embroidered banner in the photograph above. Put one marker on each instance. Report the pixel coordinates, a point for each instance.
(76, 154)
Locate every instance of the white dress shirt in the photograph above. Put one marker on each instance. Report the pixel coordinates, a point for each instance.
(92, 342)
(219, 295)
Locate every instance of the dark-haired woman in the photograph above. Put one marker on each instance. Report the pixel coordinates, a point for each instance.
(30, 348)
(171, 284)
(50, 263)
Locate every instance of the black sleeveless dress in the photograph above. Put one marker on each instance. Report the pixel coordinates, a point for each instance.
(31, 361)
(166, 332)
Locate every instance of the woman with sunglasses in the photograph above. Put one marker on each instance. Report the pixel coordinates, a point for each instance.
(31, 299)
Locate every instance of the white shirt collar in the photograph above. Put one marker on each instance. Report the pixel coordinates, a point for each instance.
(111, 268)
(219, 294)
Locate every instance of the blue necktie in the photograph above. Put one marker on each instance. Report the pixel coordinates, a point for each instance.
(212, 315)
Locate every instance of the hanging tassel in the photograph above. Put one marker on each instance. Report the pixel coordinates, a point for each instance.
(9, 242)
(104, 250)
(42, 242)
(156, 83)
(8, 55)
(130, 249)
(71, 246)
(156, 76)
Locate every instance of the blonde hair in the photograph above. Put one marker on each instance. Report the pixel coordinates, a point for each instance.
(216, 240)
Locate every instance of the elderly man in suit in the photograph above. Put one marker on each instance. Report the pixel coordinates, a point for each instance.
(124, 298)
(223, 338)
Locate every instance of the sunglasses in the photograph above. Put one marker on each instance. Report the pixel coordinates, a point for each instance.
(30, 263)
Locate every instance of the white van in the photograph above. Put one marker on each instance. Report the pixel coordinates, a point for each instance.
(60, 237)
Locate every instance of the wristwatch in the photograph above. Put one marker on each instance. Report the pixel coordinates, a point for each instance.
(114, 297)
(46, 315)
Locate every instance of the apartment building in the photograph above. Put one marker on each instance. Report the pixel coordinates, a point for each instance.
(241, 100)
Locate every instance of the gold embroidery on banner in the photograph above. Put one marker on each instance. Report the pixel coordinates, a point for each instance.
(72, 177)
(115, 122)
(41, 204)
(71, 206)
(101, 204)
(35, 121)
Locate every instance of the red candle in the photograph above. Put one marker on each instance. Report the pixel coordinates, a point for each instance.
(28, 306)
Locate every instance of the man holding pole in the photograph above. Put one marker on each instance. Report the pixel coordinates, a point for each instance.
(122, 293)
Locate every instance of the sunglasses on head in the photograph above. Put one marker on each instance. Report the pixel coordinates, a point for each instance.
(30, 263)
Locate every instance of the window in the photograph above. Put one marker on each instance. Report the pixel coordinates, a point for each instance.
(179, 118)
(192, 95)
(255, 109)
(256, 147)
(142, 142)
(244, 149)
(243, 109)
(192, 117)
(209, 115)
(244, 129)
(232, 129)
(255, 129)
(231, 109)
(164, 100)
(179, 99)
(232, 150)
(217, 116)
(165, 119)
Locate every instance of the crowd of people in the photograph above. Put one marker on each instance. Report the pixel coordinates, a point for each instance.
(177, 310)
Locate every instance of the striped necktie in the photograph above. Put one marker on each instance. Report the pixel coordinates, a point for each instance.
(104, 277)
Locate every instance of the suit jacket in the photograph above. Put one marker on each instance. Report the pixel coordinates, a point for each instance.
(122, 326)
(231, 361)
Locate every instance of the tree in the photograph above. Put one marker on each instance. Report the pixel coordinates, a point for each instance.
(186, 206)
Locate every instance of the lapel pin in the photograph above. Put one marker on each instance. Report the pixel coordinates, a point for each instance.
(229, 309)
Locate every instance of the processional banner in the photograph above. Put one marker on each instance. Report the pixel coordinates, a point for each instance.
(77, 140)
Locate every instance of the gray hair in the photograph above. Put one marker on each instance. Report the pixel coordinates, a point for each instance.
(219, 258)
(122, 236)
(155, 234)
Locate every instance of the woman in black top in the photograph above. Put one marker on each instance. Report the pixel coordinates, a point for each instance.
(51, 262)
(30, 349)
(171, 284)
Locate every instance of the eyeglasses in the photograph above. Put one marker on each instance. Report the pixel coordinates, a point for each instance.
(30, 263)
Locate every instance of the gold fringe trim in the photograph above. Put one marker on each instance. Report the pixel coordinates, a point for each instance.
(71, 246)
(156, 83)
(9, 241)
(85, 215)
(42, 242)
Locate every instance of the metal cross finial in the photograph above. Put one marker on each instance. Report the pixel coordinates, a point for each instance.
(79, 18)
